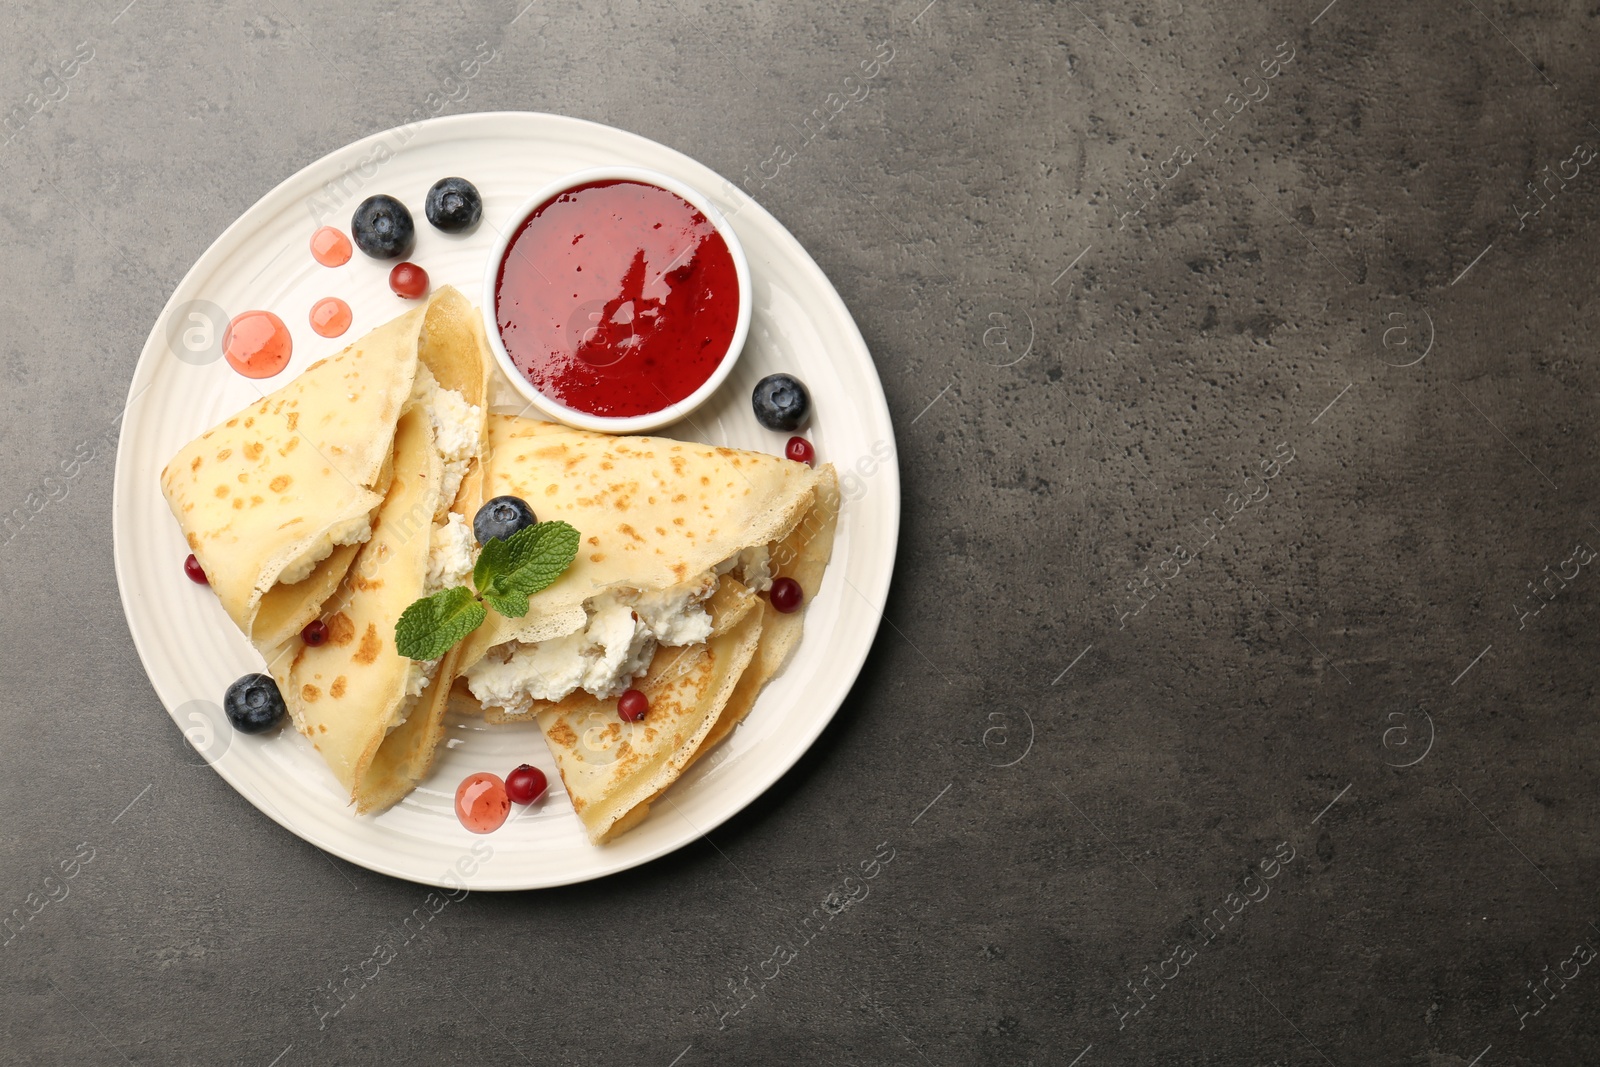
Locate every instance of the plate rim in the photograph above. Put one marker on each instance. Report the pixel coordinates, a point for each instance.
(875, 596)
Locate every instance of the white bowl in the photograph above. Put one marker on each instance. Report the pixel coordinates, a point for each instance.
(583, 420)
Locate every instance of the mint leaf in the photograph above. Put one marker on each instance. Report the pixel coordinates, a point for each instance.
(509, 572)
(511, 605)
(492, 560)
(430, 627)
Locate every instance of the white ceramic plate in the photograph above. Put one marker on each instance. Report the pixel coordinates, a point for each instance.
(182, 387)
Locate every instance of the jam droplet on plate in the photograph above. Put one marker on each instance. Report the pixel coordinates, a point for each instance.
(257, 344)
(481, 802)
(330, 247)
(330, 316)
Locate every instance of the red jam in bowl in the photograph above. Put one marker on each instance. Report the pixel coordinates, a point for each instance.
(617, 298)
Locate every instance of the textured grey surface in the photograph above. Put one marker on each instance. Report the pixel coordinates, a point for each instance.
(1075, 392)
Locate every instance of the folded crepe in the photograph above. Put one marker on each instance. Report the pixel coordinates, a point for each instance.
(274, 501)
(653, 514)
(613, 770)
(669, 529)
(347, 494)
(347, 693)
(374, 715)
(803, 555)
(455, 351)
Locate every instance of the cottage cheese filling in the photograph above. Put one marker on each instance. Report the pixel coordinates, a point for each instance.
(455, 431)
(451, 544)
(456, 425)
(353, 532)
(451, 554)
(614, 647)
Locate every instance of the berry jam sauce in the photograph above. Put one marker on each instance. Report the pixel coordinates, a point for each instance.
(617, 298)
(257, 344)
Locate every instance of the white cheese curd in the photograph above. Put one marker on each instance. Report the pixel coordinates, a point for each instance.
(456, 424)
(450, 554)
(614, 647)
(419, 676)
(619, 647)
(513, 675)
(676, 616)
(753, 566)
(601, 659)
(353, 532)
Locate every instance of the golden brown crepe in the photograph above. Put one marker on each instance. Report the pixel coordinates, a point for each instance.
(282, 484)
(351, 451)
(355, 696)
(613, 769)
(683, 508)
(348, 693)
(652, 513)
(454, 350)
(803, 556)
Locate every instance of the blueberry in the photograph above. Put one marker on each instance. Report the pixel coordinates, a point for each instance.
(253, 704)
(781, 402)
(383, 228)
(501, 517)
(454, 205)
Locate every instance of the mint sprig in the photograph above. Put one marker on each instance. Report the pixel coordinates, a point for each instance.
(430, 627)
(516, 569)
(507, 573)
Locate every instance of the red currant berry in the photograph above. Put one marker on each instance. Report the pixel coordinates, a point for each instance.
(196, 573)
(526, 784)
(408, 280)
(800, 450)
(632, 705)
(786, 595)
(315, 633)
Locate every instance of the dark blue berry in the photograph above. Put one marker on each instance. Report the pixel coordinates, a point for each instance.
(253, 704)
(781, 402)
(454, 205)
(383, 229)
(501, 517)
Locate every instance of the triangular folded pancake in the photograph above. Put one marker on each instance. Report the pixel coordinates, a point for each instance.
(611, 802)
(455, 351)
(347, 694)
(266, 498)
(803, 556)
(652, 513)
(613, 770)
(356, 697)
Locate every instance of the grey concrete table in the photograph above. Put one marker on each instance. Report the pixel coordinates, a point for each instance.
(1236, 698)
